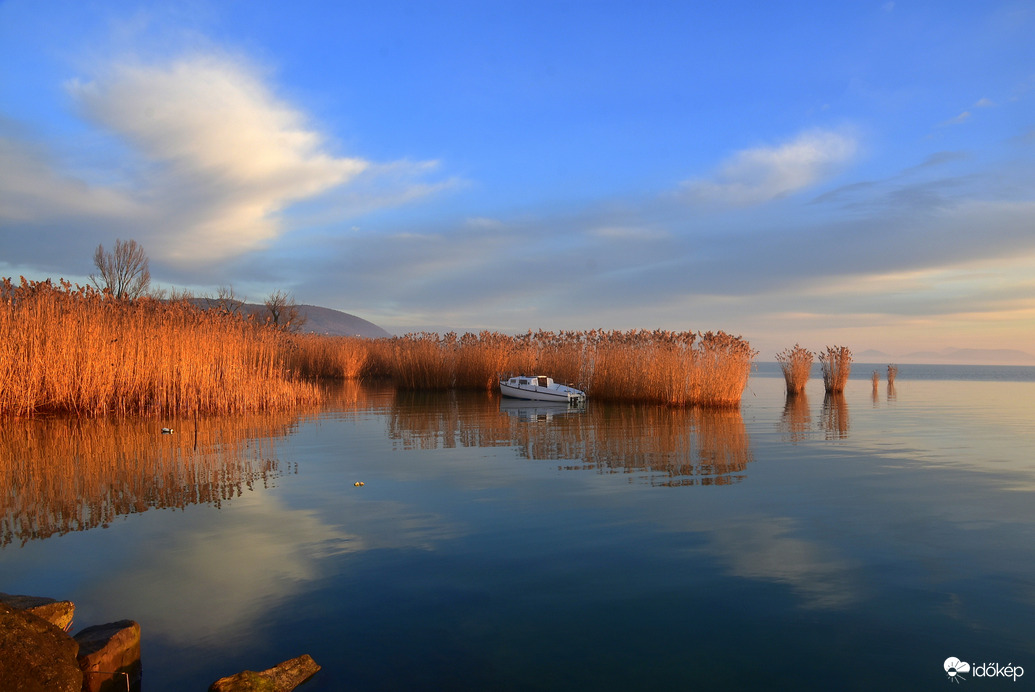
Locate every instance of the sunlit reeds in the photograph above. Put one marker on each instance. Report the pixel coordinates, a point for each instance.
(796, 364)
(77, 350)
(892, 374)
(674, 368)
(836, 362)
(314, 356)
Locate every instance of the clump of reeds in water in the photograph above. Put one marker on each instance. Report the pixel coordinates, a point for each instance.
(876, 378)
(892, 374)
(837, 366)
(796, 364)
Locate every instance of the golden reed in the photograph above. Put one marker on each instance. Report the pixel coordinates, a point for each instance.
(674, 368)
(77, 350)
(66, 349)
(796, 364)
(837, 366)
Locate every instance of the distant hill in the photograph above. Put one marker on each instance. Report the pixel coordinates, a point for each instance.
(337, 323)
(322, 321)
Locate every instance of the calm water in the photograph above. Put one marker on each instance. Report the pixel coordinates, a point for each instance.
(846, 543)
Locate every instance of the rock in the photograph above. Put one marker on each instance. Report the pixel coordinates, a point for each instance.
(281, 678)
(36, 655)
(109, 655)
(56, 612)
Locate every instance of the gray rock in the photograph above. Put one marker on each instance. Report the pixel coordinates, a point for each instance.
(36, 655)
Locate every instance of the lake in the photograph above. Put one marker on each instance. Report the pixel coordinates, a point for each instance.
(853, 542)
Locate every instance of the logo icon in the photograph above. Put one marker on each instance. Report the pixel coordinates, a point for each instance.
(954, 667)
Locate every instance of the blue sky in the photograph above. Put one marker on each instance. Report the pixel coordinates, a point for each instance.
(857, 173)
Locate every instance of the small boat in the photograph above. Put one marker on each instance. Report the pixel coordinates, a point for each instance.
(540, 388)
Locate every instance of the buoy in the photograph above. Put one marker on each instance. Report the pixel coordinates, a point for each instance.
(359, 483)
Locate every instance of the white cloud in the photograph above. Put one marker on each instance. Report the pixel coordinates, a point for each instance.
(223, 155)
(210, 160)
(758, 175)
(959, 119)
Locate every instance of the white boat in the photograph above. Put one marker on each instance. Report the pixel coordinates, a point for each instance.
(540, 388)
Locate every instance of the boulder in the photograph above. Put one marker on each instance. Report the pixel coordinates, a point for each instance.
(280, 678)
(109, 655)
(36, 655)
(56, 612)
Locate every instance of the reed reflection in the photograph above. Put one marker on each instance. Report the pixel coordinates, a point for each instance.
(675, 446)
(796, 421)
(59, 475)
(835, 416)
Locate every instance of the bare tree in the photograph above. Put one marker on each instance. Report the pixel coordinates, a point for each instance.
(282, 312)
(226, 301)
(124, 271)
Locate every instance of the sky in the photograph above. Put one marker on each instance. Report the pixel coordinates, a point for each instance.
(823, 173)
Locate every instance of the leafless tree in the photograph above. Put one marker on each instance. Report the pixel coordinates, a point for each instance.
(124, 271)
(283, 313)
(226, 300)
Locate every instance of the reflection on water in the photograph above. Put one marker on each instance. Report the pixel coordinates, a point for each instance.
(482, 563)
(835, 416)
(796, 421)
(59, 474)
(685, 446)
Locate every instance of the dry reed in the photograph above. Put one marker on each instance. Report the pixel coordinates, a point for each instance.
(77, 350)
(674, 368)
(837, 366)
(796, 364)
(892, 374)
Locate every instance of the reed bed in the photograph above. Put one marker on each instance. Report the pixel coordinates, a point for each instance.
(674, 368)
(837, 366)
(314, 356)
(796, 364)
(66, 349)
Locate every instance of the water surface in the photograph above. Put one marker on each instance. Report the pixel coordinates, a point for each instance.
(818, 543)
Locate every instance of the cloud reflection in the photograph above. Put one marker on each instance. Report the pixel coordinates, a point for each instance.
(768, 548)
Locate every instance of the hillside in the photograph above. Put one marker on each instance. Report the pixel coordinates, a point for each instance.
(322, 320)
